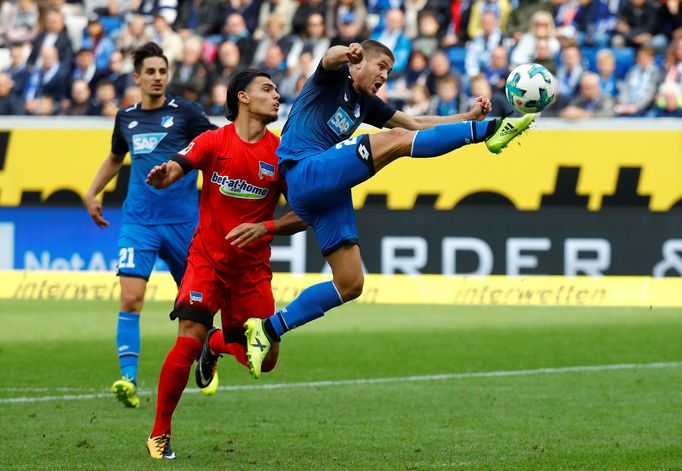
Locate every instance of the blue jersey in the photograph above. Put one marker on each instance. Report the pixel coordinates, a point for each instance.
(153, 137)
(327, 111)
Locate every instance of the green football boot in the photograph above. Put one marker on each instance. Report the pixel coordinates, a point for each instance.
(126, 392)
(508, 129)
(257, 345)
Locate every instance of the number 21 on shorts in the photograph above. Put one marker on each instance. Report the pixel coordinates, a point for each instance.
(126, 257)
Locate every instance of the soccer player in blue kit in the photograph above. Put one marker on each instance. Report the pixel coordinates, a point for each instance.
(154, 222)
(322, 162)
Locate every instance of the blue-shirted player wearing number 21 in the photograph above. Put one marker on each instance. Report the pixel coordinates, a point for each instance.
(322, 162)
(154, 222)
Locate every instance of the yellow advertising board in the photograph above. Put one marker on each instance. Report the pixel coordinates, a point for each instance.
(42, 162)
(380, 289)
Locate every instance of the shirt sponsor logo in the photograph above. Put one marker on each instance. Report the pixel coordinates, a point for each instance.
(167, 121)
(195, 297)
(186, 150)
(265, 170)
(340, 122)
(238, 188)
(146, 143)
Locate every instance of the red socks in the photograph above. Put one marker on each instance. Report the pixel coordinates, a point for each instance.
(218, 345)
(174, 375)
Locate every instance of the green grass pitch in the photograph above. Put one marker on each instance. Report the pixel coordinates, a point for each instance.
(365, 388)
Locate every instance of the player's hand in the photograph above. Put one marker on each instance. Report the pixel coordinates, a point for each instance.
(480, 108)
(246, 233)
(94, 207)
(157, 176)
(355, 53)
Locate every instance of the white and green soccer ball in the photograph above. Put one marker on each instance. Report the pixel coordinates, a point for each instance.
(530, 88)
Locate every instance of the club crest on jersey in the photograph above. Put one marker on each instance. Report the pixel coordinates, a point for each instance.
(146, 143)
(341, 122)
(195, 297)
(238, 188)
(167, 121)
(265, 170)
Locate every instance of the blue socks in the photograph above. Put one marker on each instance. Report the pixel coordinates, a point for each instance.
(444, 138)
(312, 303)
(128, 344)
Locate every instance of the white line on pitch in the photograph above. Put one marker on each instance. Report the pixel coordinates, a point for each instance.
(349, 382)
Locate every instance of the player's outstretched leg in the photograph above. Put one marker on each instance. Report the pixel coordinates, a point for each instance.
(207, 363)
(257, 345)
(126, 391)
(159, 447)
(508, 129)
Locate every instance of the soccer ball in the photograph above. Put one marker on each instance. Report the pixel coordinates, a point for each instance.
(530, 88)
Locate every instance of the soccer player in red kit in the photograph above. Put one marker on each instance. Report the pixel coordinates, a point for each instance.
(241, 186)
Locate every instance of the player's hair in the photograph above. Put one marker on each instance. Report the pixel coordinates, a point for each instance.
(373, 48)
(150, 49)
(237, 84)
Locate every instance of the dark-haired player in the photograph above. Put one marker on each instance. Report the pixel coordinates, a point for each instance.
(154, 222)
(322, 162)
(241, 186)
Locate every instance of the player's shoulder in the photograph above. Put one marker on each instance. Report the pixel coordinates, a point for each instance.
(180, 104)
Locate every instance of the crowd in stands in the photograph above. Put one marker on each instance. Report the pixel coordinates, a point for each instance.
(609, 57)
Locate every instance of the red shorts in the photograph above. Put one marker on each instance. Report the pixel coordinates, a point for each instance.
(204, 291)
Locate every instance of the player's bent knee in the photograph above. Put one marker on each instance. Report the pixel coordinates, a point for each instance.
(190, 328)
(351, 289)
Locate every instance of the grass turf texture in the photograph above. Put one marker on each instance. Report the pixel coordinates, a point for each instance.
(605, 419)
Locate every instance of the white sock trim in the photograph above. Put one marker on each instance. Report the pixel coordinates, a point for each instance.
(412, 146)
(337, 292)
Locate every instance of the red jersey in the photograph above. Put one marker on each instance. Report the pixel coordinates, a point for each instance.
(240, 184)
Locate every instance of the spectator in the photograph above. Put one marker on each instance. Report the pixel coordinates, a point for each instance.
(191, 74)
(440, 67)
(48, 79)
(479, 86)
(670, 18)
(636, 26)
(498, 70)
(288, 88)
(429, 37)
(541, 27)
(105, 103)
(568, 75)
(640, 85)
(312, 39)
(284, 9)
(499, 8)
(133, 36)
(273, 34)
(597, 22)
(18, 70)
(419, 101)
(169, 40)
(18, 22)
(345, 12)
(131, 96)
(394, 37)
(274, 64)
(348, 31)
(81, 100)
(150, 8)
(303, 12)
(235, 30)
(85, 68)
(202, 17)
(669, 101)
(247, 9)
(215, 106)
(606, 68)
(590, 102)
(448, 100)
(520, 18)
(54, 36)
(480, 47)
(226, 65)
(96, 39)
(46, 105)
(543, 55)
(673, 60)
(566, 14)
(115, 73)
(10, 103)
(416, 71)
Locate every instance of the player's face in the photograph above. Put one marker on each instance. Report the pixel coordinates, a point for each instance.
(374, 72)
(263, 99)
(153, 78)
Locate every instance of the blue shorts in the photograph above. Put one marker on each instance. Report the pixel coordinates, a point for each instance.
(319, 190)
(139, 245)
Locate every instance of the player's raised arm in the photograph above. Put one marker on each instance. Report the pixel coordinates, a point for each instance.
(164, 175)
(246, 233)
(336, 56)
(108, 170)
(478, 111)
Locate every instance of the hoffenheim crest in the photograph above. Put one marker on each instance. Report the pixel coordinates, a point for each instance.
(167, 121)
(356, 110)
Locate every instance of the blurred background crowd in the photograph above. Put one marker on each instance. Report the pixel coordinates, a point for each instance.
(609, 57)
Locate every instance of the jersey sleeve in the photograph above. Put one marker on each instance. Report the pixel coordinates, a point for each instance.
(198, 121)
(119, 145)
(378, 112)
(199, 152)
(323, 76)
